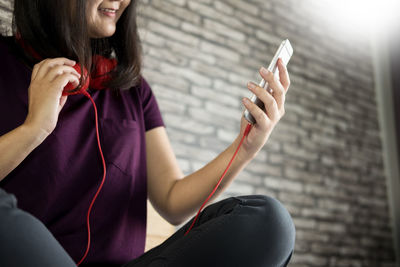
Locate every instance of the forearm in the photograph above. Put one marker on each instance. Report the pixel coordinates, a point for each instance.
(187, 194)
(16, 145)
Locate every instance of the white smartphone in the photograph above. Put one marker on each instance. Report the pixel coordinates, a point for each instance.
(285, 52)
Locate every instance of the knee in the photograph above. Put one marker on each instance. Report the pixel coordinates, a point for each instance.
(271, 221)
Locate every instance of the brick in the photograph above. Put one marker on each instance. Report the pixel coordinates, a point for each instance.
(301, 175)
(176, 11)
(300, 153)
(186, 73)
(7, 5)
(197, 153)
(216, 96)
(245, 6)
(238, 188)
(312, 235)
(204, 10)
(187, 124)
(268, 38)
(208, 70)
(242, 48)
(337, 228)
(223, 7)
(173, 95)
(219, 51)
(157, 78)
(226, 135)
(170, 106)
(173, 33)
(224, 30)
(202, 32)
(228, 87)
(179, 136)
(303, 223)
(151, 38)
(168, 56)
(223, 111)
(264, 168)
(283, 185)
(325, 249)
(248, 178)
(333, 205)
(189, 52)
(165, 18)
(310, 260)
(317, 213)
(178, 2)
(209, 118)
(297, 199)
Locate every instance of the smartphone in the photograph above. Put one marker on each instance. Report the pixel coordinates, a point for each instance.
(285, 52)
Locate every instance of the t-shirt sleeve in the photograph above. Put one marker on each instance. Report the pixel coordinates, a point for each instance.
(151, 111)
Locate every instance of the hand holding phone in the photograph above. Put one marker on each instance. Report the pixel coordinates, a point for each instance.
(285, 52)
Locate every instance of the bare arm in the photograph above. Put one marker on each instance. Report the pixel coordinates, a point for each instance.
(48, 80)
(16, 145)
(177, 197)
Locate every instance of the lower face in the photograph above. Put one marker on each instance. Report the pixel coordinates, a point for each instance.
(102, 16)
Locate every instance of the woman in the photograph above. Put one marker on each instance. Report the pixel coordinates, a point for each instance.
(53, 167)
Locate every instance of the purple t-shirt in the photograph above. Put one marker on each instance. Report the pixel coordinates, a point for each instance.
(57, 181)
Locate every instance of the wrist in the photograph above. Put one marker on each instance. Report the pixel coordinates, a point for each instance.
(243, 155)
(37, 134)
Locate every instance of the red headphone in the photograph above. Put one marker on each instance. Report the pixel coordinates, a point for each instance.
(100, 74)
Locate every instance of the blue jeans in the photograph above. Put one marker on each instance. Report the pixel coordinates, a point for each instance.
(250, 231)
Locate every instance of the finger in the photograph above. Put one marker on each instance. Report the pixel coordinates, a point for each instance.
(270, 103)
(258, 114)
(58, 70)
(278, 90)
(35, 71)
(62, 80)
(271, 79)
(283, 75)
(47, 64)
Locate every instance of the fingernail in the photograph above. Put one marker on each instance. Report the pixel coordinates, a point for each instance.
(264, 71)
(251, 85)
(245, 101)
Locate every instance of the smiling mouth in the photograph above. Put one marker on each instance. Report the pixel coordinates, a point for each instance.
(108, 10)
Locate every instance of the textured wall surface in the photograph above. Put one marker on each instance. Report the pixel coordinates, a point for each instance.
(324, 159)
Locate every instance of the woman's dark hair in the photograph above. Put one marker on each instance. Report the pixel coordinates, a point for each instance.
(58, 28)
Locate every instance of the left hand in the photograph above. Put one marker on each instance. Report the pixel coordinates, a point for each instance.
(268, 118)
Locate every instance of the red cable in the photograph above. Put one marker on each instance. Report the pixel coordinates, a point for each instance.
(102, 181)
(246, 132)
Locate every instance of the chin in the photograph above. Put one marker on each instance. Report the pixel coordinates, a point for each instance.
(103, 34)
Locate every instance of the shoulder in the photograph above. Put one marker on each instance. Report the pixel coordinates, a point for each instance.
(140, 90)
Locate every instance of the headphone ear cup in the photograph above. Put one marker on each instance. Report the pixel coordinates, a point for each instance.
(101, 73)
(70, 89)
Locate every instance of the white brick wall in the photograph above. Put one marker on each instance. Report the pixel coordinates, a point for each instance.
(323, 161)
